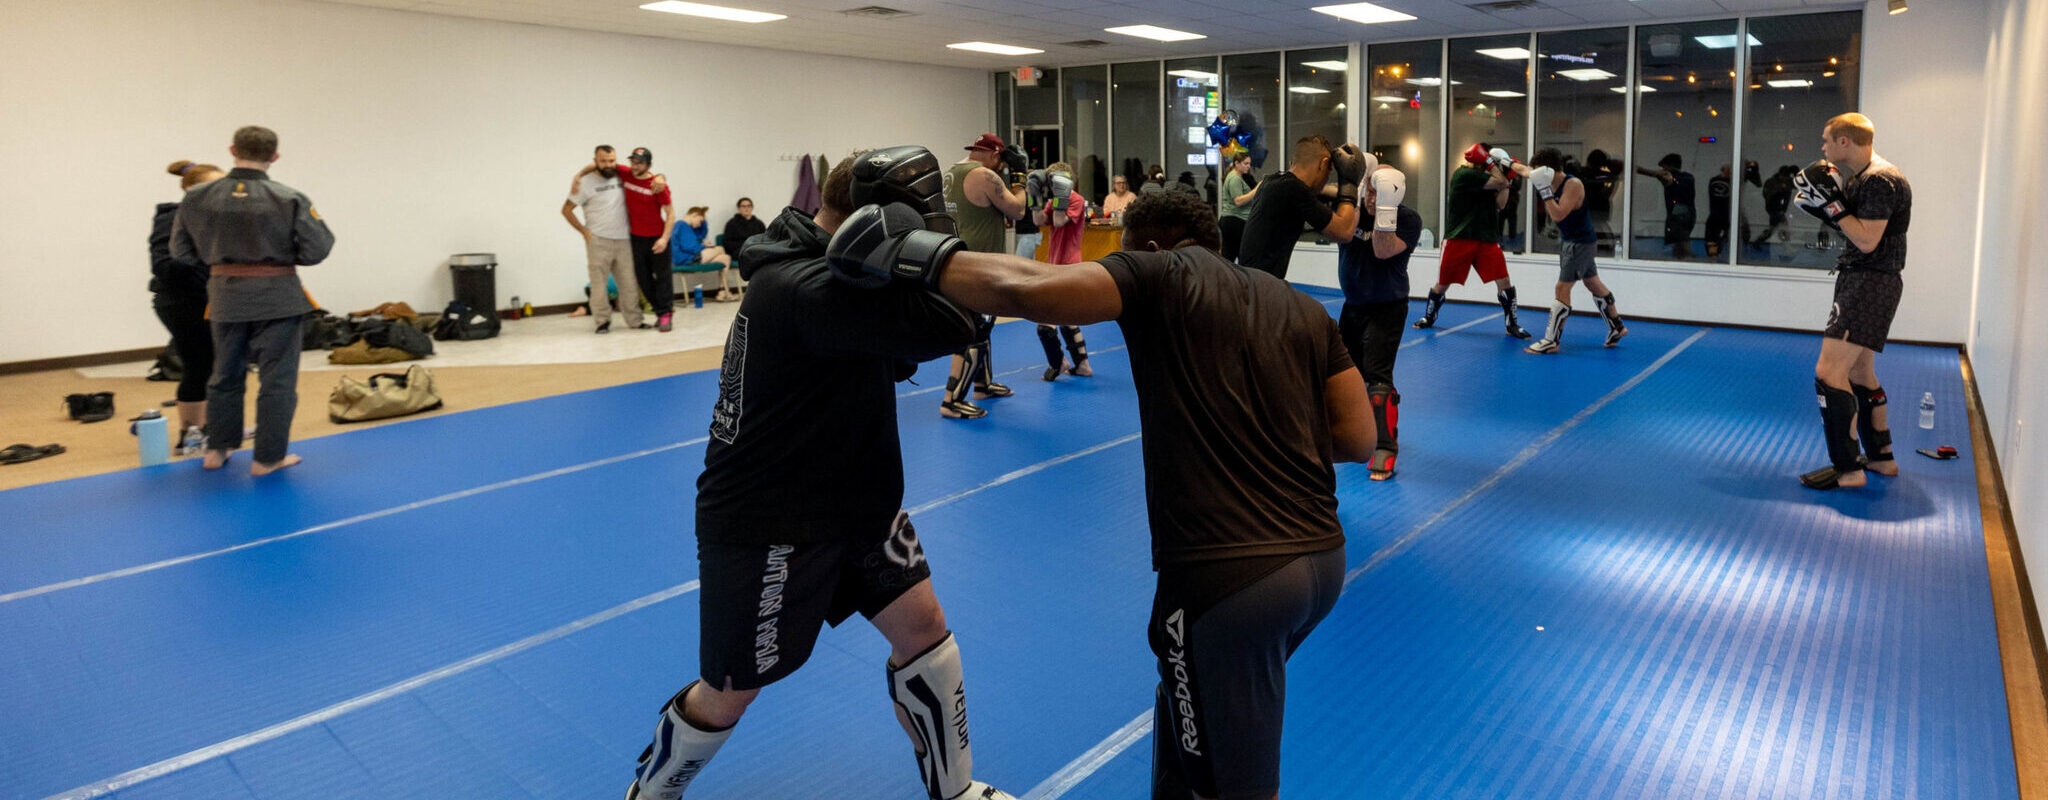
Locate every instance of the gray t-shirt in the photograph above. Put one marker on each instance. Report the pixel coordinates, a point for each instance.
(1880, 192)
(604, 206)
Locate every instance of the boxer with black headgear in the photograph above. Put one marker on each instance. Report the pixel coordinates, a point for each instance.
(806, 398)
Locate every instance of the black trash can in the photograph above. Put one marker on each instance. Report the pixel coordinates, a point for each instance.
(476, 280)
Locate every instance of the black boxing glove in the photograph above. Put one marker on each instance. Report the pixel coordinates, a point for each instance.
(906, 174)
(878, 244)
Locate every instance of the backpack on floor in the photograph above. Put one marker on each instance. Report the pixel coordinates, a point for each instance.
(398, 334)
(462, 323)
(384, 396)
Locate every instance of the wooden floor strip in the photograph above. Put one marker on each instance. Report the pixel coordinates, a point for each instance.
(2019, 622)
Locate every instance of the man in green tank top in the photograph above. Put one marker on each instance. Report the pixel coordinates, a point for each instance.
(981, 204)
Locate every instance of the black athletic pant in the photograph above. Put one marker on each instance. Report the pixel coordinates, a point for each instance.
(274, 345)
(1372, 332)
(652, 271)
(1232, 229)
(192, 337)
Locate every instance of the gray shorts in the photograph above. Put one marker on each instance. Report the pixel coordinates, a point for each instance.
(1575, 260)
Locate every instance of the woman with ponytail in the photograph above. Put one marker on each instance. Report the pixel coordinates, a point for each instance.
(180, 288)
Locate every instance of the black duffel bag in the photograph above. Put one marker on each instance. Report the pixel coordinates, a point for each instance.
(399, 335)
(462, 323)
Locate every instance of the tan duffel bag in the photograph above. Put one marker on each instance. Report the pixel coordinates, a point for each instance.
(384, 396)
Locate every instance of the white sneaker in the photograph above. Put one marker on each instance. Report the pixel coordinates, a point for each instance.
(192, 443)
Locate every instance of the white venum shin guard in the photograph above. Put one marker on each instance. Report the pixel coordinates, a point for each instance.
(1559, 312)
(679, 752)
(931, 694)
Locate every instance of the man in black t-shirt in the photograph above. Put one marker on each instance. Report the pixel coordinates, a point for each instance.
(1291, 201)
(1857, 192)
(1246, 397)
(806, 398)
(1679, 212)
(1373, 272)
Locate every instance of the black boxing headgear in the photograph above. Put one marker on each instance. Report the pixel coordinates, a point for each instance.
(906, 174)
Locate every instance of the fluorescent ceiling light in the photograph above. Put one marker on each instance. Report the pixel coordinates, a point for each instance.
(1193, 73)
(998, 49)
(1587, 74)
(1624, 89)
(1426, 81)
(1503, 93)
(1365, 13)
(713, 12)
(1155, 33)
(1722, 42)
(1797, 83)
(1307, 90)
(1387, 98)
(1335, 66)
(1506, 53)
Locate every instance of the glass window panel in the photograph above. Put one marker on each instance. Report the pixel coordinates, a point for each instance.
(1404, 121)
(1684, 116)
(1085, 139)
(1316, 95)
(1489, 104)
(1802, 70)
(1251, 87)
(1003, 82)
(1134, 93)
(1579, 114)
(1039, 103)
(1193, 97)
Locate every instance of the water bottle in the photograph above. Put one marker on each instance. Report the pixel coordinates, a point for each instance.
(154, 435)
(515, 306)
(697, 296)
(1927, 411)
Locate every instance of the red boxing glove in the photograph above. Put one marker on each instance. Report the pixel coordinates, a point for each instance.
(1476, 155)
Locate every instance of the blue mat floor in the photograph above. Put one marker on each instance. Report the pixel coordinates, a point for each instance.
(1595, 576)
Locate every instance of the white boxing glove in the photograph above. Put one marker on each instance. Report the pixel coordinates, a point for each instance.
(1541, 178)
(1499, 158)
(1391, 186)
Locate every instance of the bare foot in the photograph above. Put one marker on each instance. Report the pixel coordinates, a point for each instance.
(259, 469)
(1852, 480)
(215, 459)
(1886, 468)
(1081, 370)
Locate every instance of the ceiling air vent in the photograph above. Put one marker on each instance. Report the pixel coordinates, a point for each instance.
(876, 12)
(1505, 5)
(1084, 43)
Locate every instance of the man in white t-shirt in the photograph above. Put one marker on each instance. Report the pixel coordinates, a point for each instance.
(606, 239)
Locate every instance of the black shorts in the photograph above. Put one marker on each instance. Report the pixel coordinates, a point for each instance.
(763, 605)
(1865, 301)
(1223, 669)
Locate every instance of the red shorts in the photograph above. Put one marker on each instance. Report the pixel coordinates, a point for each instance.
(1461, 256)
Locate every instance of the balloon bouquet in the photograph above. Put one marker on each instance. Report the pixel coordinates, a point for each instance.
(1232, 135)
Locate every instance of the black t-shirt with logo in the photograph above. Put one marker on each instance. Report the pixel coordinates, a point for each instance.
(803, 437)
(1367, 278)
(1230, 366)
(1283, 208)
(1880, 192)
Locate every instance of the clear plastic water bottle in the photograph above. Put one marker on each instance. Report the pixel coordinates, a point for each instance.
(153, 434)
(1927, 411)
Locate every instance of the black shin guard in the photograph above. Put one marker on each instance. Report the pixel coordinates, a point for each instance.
(1077, 347)
(1509, 309)
(1434, 304)
(1050, 340)
(1386, 413)
(1608, 310)
(1838, 422)
(1868, 400)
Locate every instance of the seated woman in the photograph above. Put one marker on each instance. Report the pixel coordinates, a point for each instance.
(743, 226)
(687, 247)
(1120, 196)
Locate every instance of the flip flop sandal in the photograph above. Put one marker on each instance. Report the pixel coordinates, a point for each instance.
(21, 453)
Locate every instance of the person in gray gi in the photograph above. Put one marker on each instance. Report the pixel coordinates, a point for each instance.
(254, 233)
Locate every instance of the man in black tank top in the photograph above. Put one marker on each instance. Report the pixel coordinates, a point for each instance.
(1240, 485)
(1564, 197)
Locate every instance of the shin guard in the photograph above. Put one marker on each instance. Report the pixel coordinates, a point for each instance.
(1553, 331)
(1386, 413)
(1509, 309)
(1049, 339)
(1838, 421)
(1077, 347)
(1870, 402)
(1434, 304)
(930, 693)
(679, 752)
(1608, 311)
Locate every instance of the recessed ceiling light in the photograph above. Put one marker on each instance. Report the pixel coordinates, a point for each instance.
(1307, 90)
(1365, 13)
(1193, 73)
(1155, 33)
(1795, 83)
(1387, 98)
(1503, 93)
(1506, 53)
(712, 12)
(998, 49)
(1336, 66)
(1722, 42)
(1587, 74)
(1624, 89)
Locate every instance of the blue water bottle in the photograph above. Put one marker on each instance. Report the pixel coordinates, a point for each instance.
(697, 296)
(153, 433)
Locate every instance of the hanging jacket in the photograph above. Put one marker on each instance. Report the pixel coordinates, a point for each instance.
(808, 199)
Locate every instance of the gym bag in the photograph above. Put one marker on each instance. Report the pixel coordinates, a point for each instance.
(386, 395)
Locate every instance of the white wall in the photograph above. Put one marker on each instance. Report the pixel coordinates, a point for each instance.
(418, 136)
(1929, 111)
(2009, 320)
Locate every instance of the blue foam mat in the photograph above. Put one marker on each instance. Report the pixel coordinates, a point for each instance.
(1710, 629)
